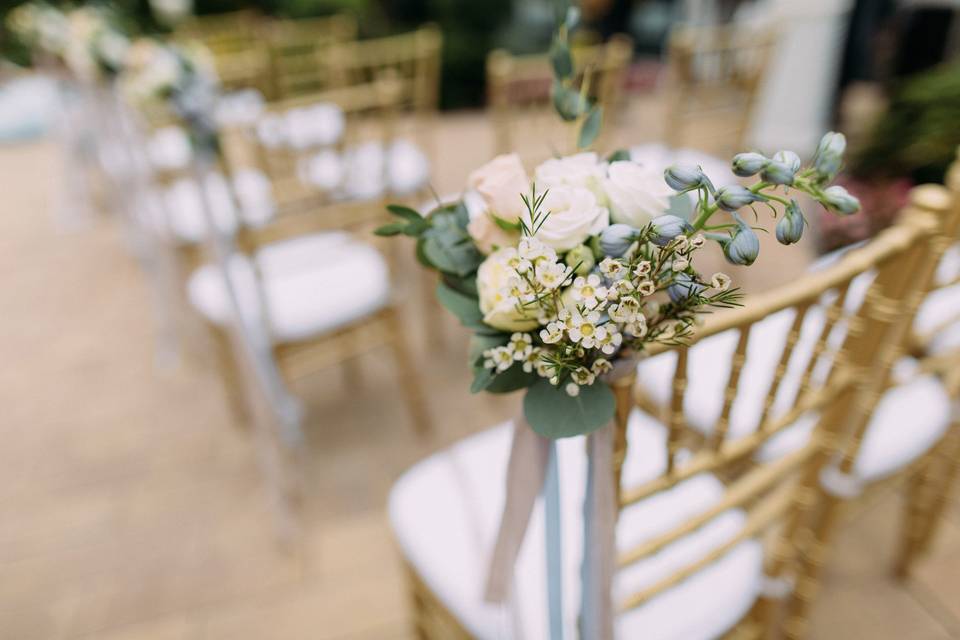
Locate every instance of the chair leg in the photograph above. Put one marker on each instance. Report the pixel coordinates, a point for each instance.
(927, 496)
(409, 376)
(812, 554)
(231, 377)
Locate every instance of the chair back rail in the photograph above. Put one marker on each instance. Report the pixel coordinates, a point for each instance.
(295, 46)
(768, 492)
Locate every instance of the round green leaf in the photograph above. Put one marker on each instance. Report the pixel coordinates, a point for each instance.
(555, 414)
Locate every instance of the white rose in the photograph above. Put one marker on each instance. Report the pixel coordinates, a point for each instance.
(580, 170)
(501, 182)
(487, 235)
(636, 194)
(573, 216)
(492, 278)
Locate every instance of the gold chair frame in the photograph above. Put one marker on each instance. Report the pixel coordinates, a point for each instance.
(775, 494)
(295, 47)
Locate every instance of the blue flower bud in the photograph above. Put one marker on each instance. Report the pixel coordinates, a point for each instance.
(743, 247)
(684, 177)
(788, 158)
(667, 227)
(839, 199)
(777, 173)
(790, 227)
(616, 239)
(683, 287)
(829, 155)
(733, 197)
(749, 164)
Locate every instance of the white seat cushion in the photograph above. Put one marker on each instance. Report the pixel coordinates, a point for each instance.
(939, 319)
(445, 513)
(169, 148)
(311, 285)
(359, 172)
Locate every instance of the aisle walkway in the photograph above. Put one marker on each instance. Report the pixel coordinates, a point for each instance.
(130, 508)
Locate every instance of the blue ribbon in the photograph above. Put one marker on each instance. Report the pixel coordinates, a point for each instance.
(551, 499)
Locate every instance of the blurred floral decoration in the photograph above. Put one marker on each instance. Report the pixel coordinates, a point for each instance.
(913, 142)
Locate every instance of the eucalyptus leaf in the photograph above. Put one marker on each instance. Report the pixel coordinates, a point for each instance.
(482, 378)
(404, 212)
(619, 155)
(447, 245)
(590, 128)
(513, 379)
(466, 285)
(416, 227)
(561, 60)
(392, 229)
(568, 102)
(480, 343)
(466, 308)
(553, 413)
(506, 226)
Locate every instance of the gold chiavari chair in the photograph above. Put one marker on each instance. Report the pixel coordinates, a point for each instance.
(714, 77)
(694, 513)
(296, 45)
(322, 291)
(519, 96)
(234, 39)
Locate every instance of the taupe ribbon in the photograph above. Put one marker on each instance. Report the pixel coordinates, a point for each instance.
(526, 470)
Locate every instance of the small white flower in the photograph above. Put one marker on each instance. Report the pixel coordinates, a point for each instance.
(601, 366)
(680, 242)
(612, 268)
(521, 344)
(647, 288)
(551, 275)
(589, 290)
(637, 328)
(572, 390)
(680, 264)
(697, 241)
(532, 361)
(611, 341)
(586, 329)
(720, 281)
(626, 311)
(500, 358)
(535, 251)
(553, 333)
(582, 376)
(642, 269)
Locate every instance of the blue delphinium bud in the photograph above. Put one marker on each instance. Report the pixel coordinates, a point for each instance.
(683, 287)
(839, 199)
(829, 155)
(581, 259)
(733, 197)
(616, 239)
(788, 158)
(790, 227)
(667, 227)
(782, 169)
(743, 247)
(749, 164)
(684, 177)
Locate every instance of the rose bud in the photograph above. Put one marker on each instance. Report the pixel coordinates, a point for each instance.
(667, 227)
(735, 197)
(616, 239)
(581, 259)
(749, 164)
(839, 199)
(790, 227)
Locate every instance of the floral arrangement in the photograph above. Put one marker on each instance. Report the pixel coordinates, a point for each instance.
(154, 70)
(39, 26)
(565, 274)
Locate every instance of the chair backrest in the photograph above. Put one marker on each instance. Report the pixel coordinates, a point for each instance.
(850, 340)
(325, 157)
(295, 46)
(240, 55)
(518, 89)
(714, 76)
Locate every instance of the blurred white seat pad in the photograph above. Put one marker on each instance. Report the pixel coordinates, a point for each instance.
(445, 512)
(311, 285)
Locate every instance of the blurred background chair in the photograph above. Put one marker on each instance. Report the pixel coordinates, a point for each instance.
(298, 49)
(518, 93)
(693, 513)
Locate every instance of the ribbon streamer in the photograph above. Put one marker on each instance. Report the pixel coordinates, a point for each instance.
(553, 544)
(599, 537)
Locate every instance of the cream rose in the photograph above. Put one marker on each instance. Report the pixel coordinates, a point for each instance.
(488, 236)
(636, 194)
(493, 280)
(501, 183)
(581, 170)
(573, 216)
